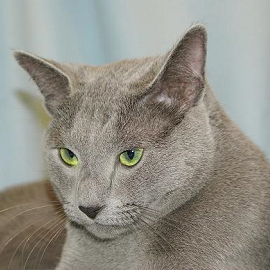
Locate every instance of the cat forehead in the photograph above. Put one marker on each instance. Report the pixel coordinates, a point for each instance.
(102, 91)
(120, 75)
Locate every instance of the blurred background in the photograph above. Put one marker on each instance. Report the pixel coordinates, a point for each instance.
(101, 31)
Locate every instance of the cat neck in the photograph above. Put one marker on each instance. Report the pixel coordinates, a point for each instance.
(82, 251)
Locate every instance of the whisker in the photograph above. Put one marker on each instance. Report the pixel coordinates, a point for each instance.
(63, 228)
(155, 212)
(161, 235)
(24, 204)
(173, 249)
(63, 215)
(28, 210)
(135, 228)
(55, 235)
(148, 209)
(170, 222)
(167, 242)
(166, 221)
(61, 236)
(45, 211)
(11, 259)
(17, 235)
(139, 221)
(49, 233)
(56, 213)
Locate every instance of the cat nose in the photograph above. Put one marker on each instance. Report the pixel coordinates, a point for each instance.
(91, 211)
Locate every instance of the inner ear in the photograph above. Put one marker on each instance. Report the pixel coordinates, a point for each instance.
(180, 81)
(53, 83)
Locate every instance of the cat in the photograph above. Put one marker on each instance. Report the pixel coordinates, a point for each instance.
(150, 171)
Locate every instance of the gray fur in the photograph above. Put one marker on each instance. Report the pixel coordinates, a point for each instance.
(207, 185)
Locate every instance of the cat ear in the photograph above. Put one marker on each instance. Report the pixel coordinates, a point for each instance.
(53, 83)
(180, 83)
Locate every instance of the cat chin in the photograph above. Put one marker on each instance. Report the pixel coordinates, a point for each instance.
(103, 232)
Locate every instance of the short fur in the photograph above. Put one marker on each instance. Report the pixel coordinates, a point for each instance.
(200, 196)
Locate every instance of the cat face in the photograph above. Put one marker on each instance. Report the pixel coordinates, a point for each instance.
(153, 104)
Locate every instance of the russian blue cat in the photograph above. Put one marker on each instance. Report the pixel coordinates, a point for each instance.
(150, 171)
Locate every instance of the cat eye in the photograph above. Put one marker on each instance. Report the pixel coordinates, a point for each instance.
(131, 157)
(68, 157)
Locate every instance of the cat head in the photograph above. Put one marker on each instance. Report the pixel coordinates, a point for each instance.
(129, 142)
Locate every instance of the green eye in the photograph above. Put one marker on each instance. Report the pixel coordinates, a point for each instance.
(68, 157)
(131, 157)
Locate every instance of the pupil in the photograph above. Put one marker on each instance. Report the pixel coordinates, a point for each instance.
(130, 154)
(71, 154)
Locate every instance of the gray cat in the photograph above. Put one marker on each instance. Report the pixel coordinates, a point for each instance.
(150, 171)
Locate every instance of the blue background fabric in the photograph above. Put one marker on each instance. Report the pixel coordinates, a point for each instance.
(98, 32)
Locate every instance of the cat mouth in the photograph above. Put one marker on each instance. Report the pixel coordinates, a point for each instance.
(103, 232)
(110, 225)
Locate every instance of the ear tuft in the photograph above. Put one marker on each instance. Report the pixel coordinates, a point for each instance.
(52, 82)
